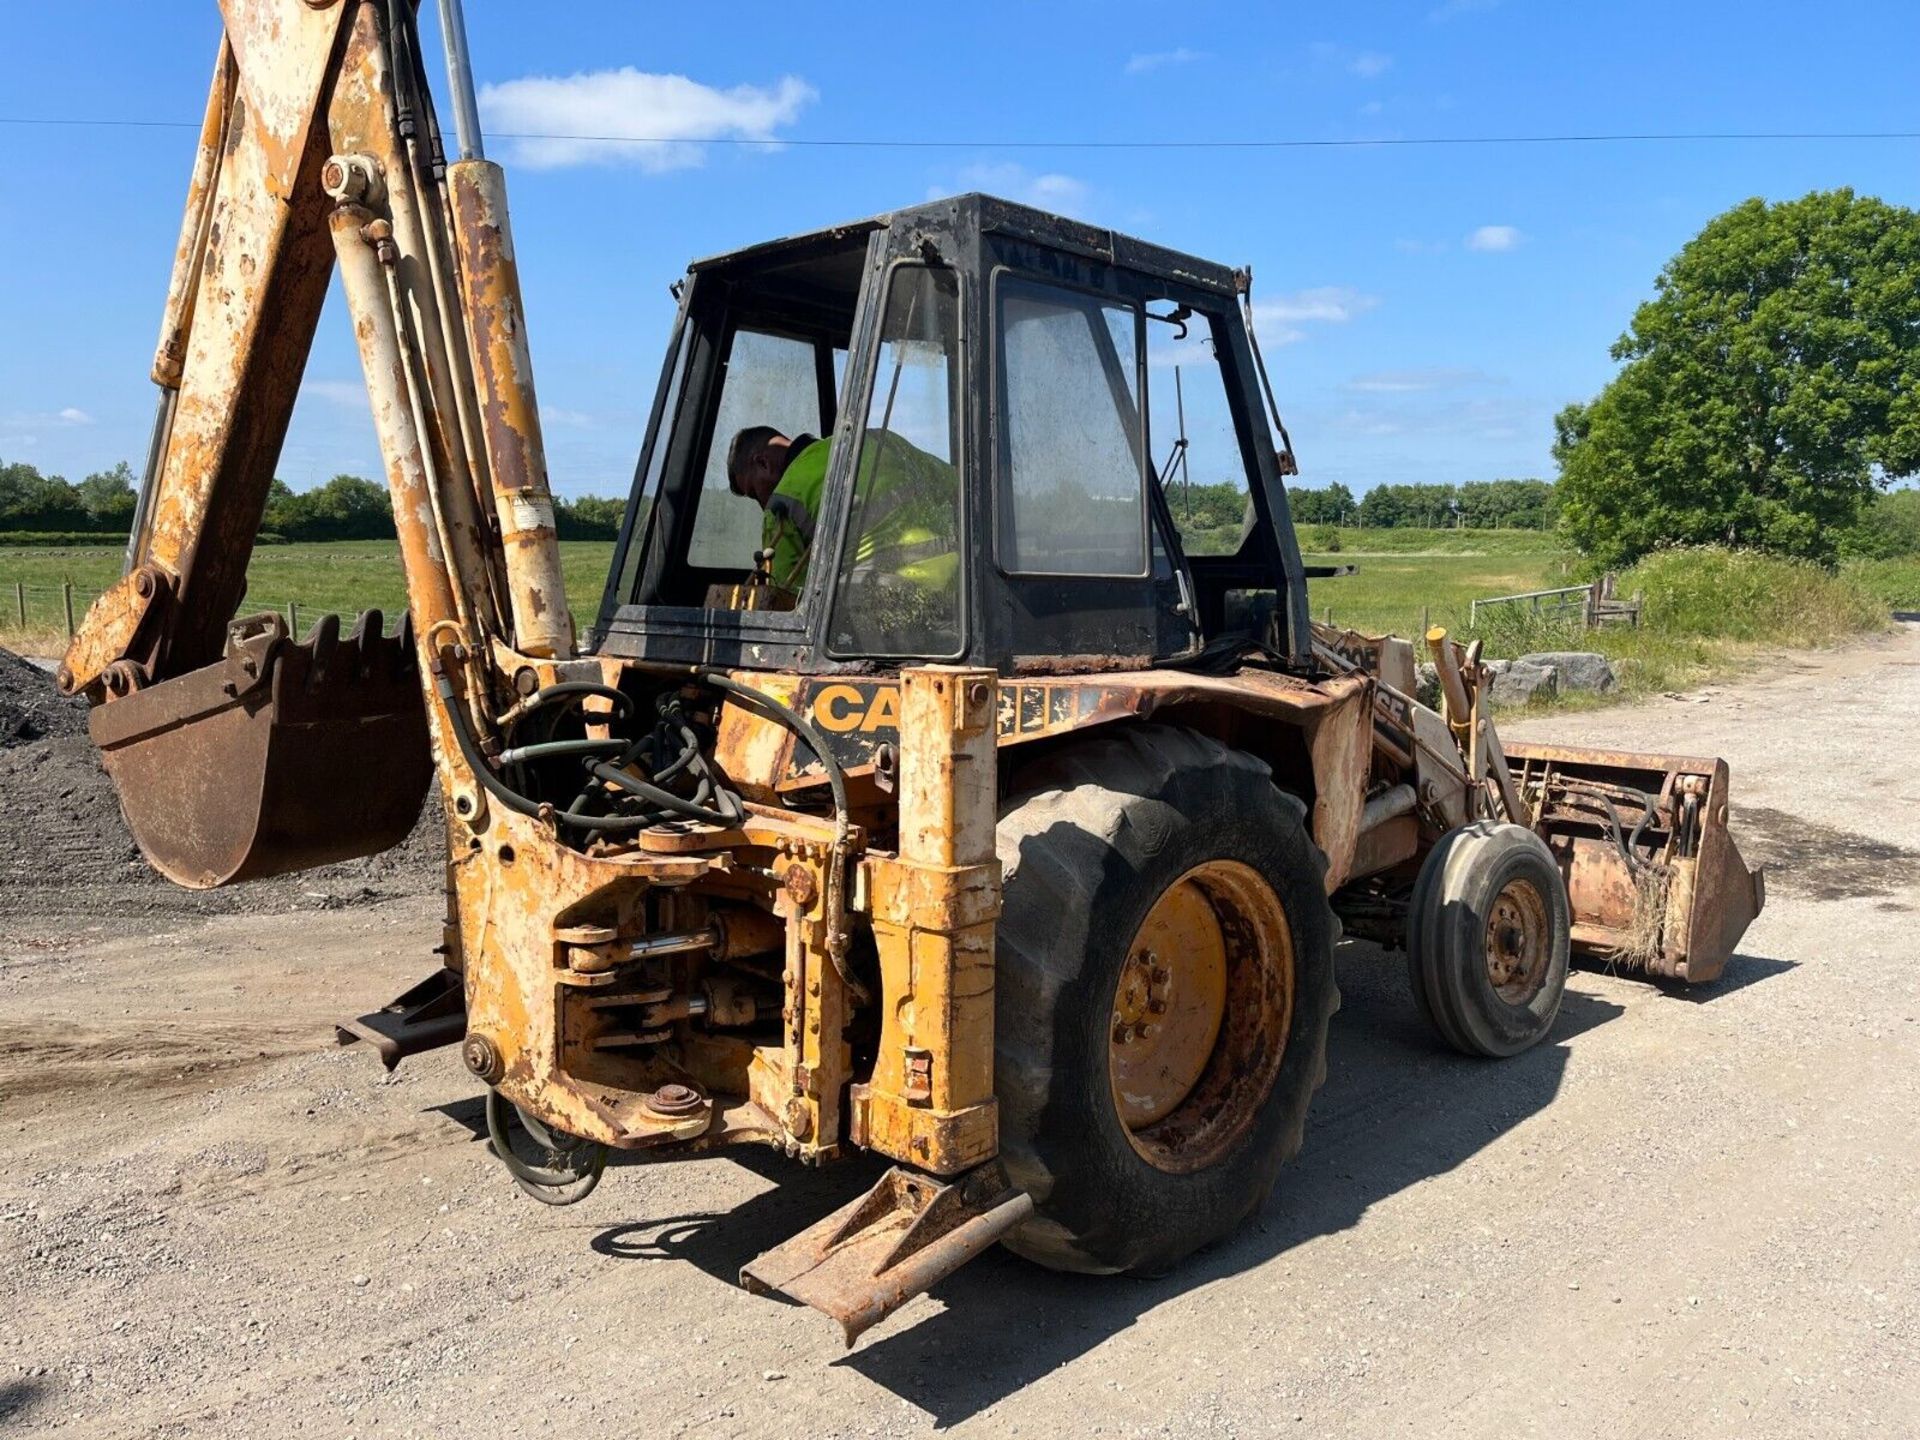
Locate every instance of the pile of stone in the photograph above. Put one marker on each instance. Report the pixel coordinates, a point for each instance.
(1541, 676)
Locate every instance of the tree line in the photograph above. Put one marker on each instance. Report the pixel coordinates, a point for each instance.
(1475, 505)
(347, 507)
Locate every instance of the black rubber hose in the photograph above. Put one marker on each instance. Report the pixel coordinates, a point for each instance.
(512, 799)
(665, 799)
(578, 689)
(794, 721)
(550, 1187)
(546, 749)
(842, 812)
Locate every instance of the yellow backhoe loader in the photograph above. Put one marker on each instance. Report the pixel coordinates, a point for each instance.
(1019, 859)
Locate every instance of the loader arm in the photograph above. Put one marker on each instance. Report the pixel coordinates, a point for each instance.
(239, 750)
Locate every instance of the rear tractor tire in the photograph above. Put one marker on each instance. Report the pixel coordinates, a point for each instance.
(1487, 939)
(1164, 982)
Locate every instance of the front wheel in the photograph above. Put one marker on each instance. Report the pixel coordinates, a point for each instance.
(1488, 939)
(1164, 983)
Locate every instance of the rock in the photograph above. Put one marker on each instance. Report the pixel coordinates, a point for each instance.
(1426, 685)
(1581, 670)
(1519, 683)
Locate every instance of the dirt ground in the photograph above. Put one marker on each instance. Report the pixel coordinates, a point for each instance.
(1689, 1214)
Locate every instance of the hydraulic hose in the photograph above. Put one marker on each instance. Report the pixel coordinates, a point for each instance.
(838, 939)
(549, 1186)
(506, 795)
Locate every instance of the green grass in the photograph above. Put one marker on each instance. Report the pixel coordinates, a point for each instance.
(1894, 583)
(347, 576)
(1393, 589)
(1708, 612)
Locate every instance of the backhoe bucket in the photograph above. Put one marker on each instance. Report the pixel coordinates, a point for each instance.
(278, 757)
(1655, 880)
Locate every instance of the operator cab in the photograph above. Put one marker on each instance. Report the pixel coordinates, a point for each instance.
(1022, 410)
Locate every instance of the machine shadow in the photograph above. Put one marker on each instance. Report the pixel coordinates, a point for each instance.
(19, 1397)
(1742, 971)
(1395, 1110)
(718, 1242)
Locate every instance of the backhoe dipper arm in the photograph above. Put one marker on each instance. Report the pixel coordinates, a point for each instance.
(320, 143)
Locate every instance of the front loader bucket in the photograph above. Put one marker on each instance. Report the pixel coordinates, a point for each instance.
(278, 757)
(1654, 878)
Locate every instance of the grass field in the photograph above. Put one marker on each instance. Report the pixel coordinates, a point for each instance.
(347, 576)
(1708, 612)
(1398, 572)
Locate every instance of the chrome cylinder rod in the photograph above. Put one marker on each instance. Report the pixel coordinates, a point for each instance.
(466, 108)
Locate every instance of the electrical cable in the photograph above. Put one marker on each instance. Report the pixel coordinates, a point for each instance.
(1649, 137)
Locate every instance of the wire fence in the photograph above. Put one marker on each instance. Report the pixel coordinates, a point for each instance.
(55, 611)
(49, 615)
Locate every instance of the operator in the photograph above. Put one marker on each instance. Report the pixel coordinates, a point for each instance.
(906, 505)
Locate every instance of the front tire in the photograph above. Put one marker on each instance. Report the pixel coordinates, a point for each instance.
(1164, 984)
(1488, 939)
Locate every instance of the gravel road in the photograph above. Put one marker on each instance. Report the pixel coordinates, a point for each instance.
(1689, 1214)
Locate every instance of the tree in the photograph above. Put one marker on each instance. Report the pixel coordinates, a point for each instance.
(1769, 385)
(590, 517)
(345, 508)
(108, 498)
(1329, 505)
(32, 501)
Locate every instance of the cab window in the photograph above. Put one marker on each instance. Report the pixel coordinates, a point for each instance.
(1072, 497)
(768, 380)
(898, 589)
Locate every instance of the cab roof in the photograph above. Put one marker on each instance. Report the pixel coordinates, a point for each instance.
(990, 214)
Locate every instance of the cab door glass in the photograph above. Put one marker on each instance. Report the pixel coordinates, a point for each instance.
(1071, 492)
(770, 380)
(898, 591)
(1195, 448)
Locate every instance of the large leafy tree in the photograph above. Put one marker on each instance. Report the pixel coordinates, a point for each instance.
(1771, 383)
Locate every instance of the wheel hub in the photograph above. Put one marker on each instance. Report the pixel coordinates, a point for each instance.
(1200, 1013)
(1518, 934)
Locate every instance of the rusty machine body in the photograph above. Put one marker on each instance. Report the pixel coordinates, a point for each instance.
(1024, 877)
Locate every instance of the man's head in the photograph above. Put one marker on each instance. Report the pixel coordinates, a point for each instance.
(755, 460)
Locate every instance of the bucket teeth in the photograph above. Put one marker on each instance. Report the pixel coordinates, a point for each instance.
(280, 756)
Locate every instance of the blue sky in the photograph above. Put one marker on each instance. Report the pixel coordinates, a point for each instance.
(1426, 310)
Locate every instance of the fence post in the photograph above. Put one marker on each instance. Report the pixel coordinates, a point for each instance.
(66, 601)
(20, 601)
(1329, 615)
(293, 620)
(1426, 620)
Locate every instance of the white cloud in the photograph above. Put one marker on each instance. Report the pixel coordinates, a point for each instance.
(1326, 304)
(1410, 382)
(1160, 59)
(631, 117)
(1049, 190)
(337, 392)
(573, 419)
(1366, 64)
(65, 419)
(1494, 239)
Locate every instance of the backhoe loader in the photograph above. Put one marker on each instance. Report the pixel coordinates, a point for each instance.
(1023, 869)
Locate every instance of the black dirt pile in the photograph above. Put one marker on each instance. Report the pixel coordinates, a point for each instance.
(65, 851)
(30, 708)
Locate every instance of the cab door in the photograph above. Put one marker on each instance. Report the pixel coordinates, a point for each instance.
(1088, 568)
